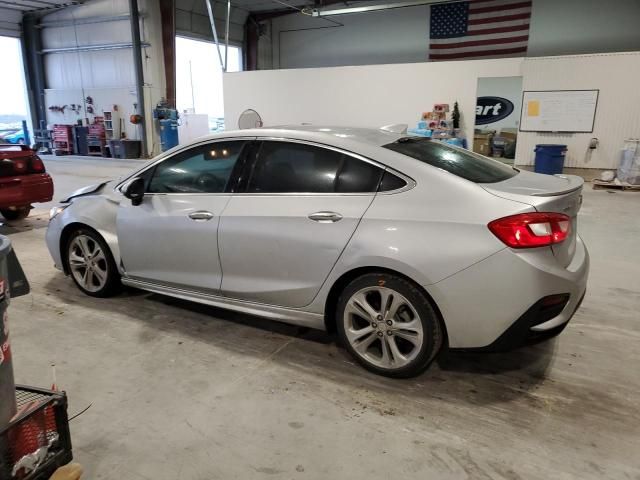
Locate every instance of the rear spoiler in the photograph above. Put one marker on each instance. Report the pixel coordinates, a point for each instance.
(575, 183)
(395, 128)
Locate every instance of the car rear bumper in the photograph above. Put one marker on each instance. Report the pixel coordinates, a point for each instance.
(23, 190)
(497, 304)
(526, 330)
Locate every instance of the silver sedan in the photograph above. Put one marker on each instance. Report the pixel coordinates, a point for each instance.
(403, 246)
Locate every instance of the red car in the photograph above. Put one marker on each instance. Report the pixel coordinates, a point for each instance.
(23, 181)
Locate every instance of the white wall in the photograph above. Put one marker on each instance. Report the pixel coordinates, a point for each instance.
(558, 27)
(108, 75)
(377, 95)
(617, 114)
(505, 87)
(369, 96)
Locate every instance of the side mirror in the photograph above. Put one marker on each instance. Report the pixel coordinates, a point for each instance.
(134, 191)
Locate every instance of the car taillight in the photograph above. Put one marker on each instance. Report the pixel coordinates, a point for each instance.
(19, 166)
(529, 230)
(36, 165)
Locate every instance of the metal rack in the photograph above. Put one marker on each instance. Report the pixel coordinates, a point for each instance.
(37, 441)
(96, 140)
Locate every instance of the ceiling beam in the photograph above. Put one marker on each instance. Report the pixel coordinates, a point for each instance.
(15, 6)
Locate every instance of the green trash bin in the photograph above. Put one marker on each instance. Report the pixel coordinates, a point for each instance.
(13, 283)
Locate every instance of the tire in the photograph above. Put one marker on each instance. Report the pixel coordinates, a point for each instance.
(102, 278)
(17, 214)
(398, 345)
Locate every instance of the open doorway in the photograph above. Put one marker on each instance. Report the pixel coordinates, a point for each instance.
(497, 117)
(199, 79)
(14, 106)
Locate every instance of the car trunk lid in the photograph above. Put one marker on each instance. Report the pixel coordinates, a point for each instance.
(17, 160)
(546, 193)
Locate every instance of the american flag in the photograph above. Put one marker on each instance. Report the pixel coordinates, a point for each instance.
(479, 29)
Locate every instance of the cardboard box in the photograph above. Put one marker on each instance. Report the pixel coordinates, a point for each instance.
(441, 107)
(509, 135)
(482, 143)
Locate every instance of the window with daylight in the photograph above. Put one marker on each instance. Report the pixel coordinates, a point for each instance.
(199, 78)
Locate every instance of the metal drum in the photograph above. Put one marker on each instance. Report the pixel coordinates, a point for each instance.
(12, 283)
(7, 386)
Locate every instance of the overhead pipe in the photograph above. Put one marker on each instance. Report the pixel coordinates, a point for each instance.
(214, 31)
(226, 41)
(139, 74)
(92, 48)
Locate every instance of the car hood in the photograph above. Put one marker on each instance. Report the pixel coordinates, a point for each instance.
(89, 190)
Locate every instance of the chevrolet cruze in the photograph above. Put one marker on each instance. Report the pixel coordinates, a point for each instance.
(401, 245)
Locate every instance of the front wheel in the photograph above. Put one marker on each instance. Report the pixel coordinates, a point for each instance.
(389, 325)
(17, 214)
(91, 265)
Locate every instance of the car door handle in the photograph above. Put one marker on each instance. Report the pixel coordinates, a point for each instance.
(325, 217)
(201, 215)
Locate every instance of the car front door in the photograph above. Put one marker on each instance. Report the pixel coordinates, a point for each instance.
(171, 237)
(281, 234)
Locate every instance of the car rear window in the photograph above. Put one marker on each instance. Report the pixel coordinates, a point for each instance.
(462, 163)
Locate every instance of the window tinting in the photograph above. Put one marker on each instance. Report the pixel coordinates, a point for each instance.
(467, 165)
(202, 169)
(391, 182)
(284, 167)
(357, 176)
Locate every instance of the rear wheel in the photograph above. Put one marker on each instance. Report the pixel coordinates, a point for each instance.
(18, 214)
(91, 264)
(389, 325)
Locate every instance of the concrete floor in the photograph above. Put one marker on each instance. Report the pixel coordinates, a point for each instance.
(181, 391)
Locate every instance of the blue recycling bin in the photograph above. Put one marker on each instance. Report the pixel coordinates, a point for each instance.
(549, 159)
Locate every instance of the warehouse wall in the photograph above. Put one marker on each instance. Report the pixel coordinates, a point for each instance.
(369, 96)
(617, 114)
(10, 22)
(382, 94)
(558, 27)
(108, 75)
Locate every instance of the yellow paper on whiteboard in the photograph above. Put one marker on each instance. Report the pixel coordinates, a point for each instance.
(533, 108)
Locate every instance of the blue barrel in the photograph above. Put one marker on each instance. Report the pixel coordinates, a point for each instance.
(168, 133)
(549, 159)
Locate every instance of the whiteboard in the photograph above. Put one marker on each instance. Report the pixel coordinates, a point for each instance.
(558, 111)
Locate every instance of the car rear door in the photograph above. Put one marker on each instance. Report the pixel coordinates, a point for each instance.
(171, 238)
(282, 233)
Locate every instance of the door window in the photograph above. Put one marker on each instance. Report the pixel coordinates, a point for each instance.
(201, 169)
(284, 167)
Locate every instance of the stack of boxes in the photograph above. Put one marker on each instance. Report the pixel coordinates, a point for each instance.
(438, 125)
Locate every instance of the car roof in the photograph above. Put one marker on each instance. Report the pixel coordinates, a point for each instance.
(327, 134)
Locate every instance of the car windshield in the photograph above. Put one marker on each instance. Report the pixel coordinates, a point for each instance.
(462, 163)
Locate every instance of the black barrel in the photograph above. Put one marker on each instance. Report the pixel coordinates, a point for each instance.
(12, 283)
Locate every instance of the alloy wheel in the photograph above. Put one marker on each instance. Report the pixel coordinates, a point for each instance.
(88, 263)
(383, 327)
